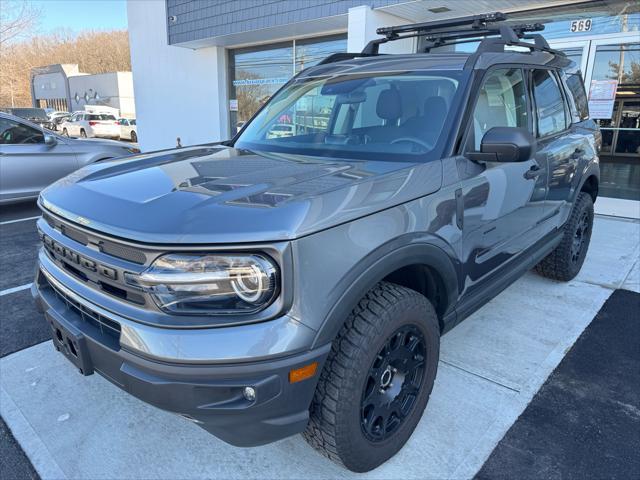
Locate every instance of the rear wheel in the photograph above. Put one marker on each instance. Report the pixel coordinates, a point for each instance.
(377, 379)
(134, 137)
(566, 260)
(83, 134)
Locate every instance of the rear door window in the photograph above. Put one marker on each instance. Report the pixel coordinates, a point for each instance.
(550, 106)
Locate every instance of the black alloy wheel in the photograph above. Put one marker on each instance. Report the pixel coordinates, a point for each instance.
(581, 236)
(393, 383)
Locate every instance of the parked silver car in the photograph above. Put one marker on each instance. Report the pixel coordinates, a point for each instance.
(32, 158)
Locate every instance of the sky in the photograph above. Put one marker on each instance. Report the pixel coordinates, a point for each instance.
(78, 15)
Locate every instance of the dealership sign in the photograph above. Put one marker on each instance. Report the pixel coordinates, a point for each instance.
(260, 81)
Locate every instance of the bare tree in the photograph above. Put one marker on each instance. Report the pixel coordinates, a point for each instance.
(18, 19)
(94, 52)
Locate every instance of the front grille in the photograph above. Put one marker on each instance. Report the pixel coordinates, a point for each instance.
(109, 247)
(74, 234)
(123, 252)
(101, 323)
(57, 254)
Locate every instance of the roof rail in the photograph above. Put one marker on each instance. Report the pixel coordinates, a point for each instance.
(464, 30)
(338, 57)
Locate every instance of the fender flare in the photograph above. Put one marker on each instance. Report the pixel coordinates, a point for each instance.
(592, 169)
(398, 253)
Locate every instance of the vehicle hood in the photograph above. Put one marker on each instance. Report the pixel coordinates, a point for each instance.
(213, 194)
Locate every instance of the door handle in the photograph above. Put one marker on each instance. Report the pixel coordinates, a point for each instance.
(534, 172)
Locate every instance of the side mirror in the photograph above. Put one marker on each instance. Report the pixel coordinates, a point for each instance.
(50, 140)
(505, 144)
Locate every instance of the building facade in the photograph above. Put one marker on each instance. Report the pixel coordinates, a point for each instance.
(201, 68)
(63, 87)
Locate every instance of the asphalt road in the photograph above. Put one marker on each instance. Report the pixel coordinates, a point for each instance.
(21, 326)
(584, 423)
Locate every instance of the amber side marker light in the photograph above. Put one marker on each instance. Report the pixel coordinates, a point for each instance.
(303, 373)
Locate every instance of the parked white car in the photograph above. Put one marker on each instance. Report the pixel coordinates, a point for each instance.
(280, 130)
(89, 125)
(128, 129)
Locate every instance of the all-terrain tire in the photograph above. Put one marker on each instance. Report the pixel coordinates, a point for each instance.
(337, 427)
(566, 260)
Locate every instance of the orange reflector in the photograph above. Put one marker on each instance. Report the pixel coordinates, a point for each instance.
(303, 373)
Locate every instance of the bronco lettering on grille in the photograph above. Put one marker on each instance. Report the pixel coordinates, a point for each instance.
(54, 247)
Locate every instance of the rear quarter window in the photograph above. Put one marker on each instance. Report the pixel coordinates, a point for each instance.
(577, 91)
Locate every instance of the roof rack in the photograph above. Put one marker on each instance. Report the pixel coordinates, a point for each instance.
(490, 27)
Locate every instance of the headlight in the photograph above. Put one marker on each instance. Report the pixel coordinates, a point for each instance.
(190, 284)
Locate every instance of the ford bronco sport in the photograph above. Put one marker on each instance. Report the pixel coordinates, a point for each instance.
(272, 285)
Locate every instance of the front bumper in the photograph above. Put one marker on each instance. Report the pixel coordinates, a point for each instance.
(207, 393)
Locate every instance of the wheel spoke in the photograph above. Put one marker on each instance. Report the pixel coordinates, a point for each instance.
(393, 383)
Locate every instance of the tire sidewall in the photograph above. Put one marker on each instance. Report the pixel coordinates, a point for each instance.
(349, 413)
(585, 204)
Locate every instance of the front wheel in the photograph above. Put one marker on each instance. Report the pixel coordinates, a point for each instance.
(377, 379)
(134, 137)
(65, 132)
(83, 134)
(566, 260)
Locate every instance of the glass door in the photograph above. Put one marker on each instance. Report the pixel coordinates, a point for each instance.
(576, 50)
(618, 62)
(613, 58)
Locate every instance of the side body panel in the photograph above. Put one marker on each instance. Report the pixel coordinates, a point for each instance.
(334, 268)
(26, 169)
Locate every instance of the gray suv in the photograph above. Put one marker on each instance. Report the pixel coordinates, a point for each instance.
(272, 285)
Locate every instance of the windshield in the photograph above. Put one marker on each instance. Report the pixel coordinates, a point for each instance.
(356, 116)
(29, 112)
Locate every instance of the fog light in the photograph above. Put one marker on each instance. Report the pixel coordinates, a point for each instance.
(249, 393)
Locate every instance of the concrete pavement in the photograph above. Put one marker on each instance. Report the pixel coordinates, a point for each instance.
(491, 366)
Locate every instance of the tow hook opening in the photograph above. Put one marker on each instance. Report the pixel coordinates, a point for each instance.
(72, 348)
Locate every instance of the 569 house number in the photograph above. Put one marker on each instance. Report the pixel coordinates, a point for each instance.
(583, 25)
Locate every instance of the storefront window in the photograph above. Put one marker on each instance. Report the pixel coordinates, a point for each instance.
(621, 128)
(256, 74)
(310, 52)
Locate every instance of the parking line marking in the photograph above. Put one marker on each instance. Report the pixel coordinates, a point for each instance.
(6, 222)
(15, 289)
